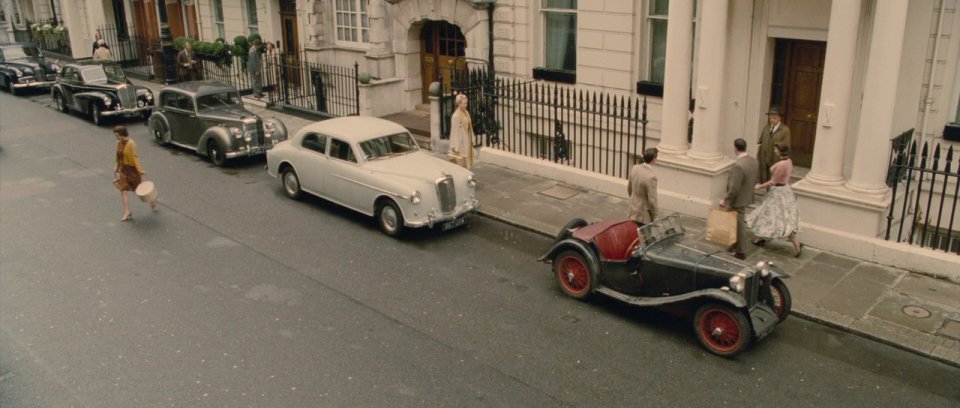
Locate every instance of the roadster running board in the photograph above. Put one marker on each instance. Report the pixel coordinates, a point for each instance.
(722, 295)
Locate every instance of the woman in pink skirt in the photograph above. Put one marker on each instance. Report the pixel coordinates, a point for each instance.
(777, 217)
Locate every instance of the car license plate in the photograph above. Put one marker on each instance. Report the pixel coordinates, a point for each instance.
(454, 223)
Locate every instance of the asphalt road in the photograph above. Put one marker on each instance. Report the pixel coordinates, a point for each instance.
(232, 295)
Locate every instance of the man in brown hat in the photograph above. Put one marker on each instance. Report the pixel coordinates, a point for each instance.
(775, 132)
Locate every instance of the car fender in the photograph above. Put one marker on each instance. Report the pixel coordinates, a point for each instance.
(158, 117)
(281, 133)
(84, 99)
(733, 299)
(576, 245)
(218, 133)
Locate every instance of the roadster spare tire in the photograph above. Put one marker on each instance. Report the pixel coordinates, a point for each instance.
(721, 329)
(782, 301)
(569, 227)
(574, 274)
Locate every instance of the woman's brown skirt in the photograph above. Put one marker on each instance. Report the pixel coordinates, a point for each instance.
(129, 179)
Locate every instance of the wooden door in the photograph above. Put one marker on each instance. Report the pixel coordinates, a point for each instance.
(440, 45)
(175, 18)
(800, 100)
(291, 42)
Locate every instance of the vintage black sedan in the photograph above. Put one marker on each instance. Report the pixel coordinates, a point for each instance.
(23, 66)
(656, 264)
(209, 118)
(100, 90)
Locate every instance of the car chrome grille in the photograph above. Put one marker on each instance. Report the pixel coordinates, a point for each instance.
(128, 96)
(447, 193)
(255, 131)
(39, 74)
(752, 289)
(260, 132)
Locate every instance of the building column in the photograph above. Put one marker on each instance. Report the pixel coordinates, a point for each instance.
(676, 80)
(870, 159)
(835, 93)
(8, 10)
(380, 62)
(707, 118)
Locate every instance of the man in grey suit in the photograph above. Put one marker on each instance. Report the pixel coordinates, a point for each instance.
(642, 189)
(740, 182)
(255, 67)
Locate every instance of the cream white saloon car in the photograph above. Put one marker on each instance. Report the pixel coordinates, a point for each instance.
(375, 167)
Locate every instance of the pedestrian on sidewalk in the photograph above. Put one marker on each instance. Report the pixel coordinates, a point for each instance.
(777, 217)
(186, 63)
(775, 132)
(740, 183)
(461, 134)
(255, 68)
(642, 189)
(103, 52)
(127, 174)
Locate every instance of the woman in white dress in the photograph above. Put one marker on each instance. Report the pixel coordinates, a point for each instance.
(777, 217)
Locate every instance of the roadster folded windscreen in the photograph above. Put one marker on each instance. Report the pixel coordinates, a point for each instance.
(384, 146)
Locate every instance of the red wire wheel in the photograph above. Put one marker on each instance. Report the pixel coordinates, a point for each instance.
(574, 274)
(782, 301)
(721, 329)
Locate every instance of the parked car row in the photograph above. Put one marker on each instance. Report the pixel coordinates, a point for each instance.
(375, 167)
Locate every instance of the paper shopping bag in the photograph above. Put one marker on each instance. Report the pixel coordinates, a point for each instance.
(722, 226)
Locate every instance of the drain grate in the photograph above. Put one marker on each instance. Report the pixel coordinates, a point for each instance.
(560, 192)
(951, 329)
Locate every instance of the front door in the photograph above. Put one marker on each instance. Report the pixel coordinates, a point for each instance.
(291, 41)
(440, 45)
(800, 73)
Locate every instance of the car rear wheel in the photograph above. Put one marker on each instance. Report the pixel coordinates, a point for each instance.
(216, 153)
(782, 301)
(721, 329)
(291, 183)
(574, 275)
(61, 102)
(390, 218)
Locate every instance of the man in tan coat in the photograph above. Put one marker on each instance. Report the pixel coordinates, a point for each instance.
(642, 189)
(775, 132)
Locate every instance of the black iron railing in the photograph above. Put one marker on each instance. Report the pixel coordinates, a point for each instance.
(593, 131)
(325, 90)
(132, 52)
(924, 213)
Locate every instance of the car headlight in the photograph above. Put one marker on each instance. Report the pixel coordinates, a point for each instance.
(269, 127)
(236, 132)
(415, 197)
(763, 267)
(737, 283)
(472, 181)
(18, 72)
(149, 96)
(55, 67)
(107, 101)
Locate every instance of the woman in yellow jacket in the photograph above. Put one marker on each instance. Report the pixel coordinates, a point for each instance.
(127, 173)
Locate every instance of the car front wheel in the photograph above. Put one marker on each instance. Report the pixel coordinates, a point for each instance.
(160, 133)
(96, 114)
(291, 183)
(574, 275)
(721, 329)
(390, 218)
(782, 301)
(216, 153)
(61, 103)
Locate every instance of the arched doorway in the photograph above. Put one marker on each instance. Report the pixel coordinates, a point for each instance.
(440, 45)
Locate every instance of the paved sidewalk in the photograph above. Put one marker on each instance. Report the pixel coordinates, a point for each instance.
(894, 306)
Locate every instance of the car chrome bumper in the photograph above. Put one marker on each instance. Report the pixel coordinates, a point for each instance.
(127, 112)
(470, 206)
(34, 84)
(252, 151)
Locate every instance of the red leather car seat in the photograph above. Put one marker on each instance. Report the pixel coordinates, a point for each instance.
(618, 241)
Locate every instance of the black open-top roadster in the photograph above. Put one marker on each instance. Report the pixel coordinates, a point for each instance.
(655, 265)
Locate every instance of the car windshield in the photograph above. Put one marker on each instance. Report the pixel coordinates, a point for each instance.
(12, 53)
(663, 228)
(390, 145)
(94, 75)
(115, 73)
(217, 100)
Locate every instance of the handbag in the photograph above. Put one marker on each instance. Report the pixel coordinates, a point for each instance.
(722, 226)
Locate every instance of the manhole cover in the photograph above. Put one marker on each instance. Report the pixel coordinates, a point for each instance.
(951, 328)
(560, 192)
(916, 311)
